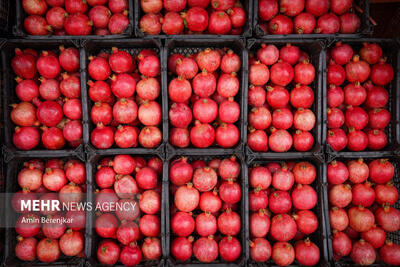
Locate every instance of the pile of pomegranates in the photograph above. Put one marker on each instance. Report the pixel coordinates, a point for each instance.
(48, 234)
(125, 93)
(361, 199)
(205, 209)
(357, 113)
(50, 111)
(308, 16)
(227, 17)
(203, 110)
(273, 110)
(130, 231)
(75, 17)
(281, 205)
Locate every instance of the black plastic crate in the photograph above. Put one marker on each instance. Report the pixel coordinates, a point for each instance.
(5, 15)
(319, 237)
(19, 30)
(363, 13)
(9, 97)
(94, 240)
(315, 49)
(92, 47)
(394, 236)
(241, 261)
(186, 47)
(12, 170)
(391, 50)
(247, 28)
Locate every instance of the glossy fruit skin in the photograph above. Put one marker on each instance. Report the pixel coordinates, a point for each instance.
(206, 224)
(283, 227)
(390, 253)
(197, 19)
(267, 9)
(280, 24)
(340, 195)
(209, 201)
(304, 23)
(36, 25)
(386, 193)
(304, 197)
(378, 118)
(49, 113)
(280, 141)
(25, 249)
(205, 249)
(219, 23)
(229, 248)
(108, 252)
(363, 253)
(307, 253)
(186, 198)
(102, 137)
(202, 135)
(260, 250)
(150, 225)
(335, 118)
(337, 172)
(357, 140)
(307, 221)
(375, 236)
(282, 73)
(283, 253)
(259, 224)
(301, 97)
(130, 255)
(230, 192)
(388, 218)
(181, 248)
(48, 250)
(328, 24)
(354, 94)
(381, 73)
(27, 228)
(282, 118)
(356, 117)
(150, 24)
(259, 74)
(277, 97)
(280, 202)
(360, 219)
(258, 140)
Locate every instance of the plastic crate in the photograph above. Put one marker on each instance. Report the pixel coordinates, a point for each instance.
(219, 262)
(9, 97)
(19, 30)
(92, 47)
(365, 29)
(315, 48)
(186, 47)
(247, 29)
(319, 237)
(391, 50)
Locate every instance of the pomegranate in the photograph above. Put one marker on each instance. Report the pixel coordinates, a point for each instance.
(280, 202)
(381, 73)
(304, 173)
(259, 224)
(356, 118)
(205, 249)
(381, 171)
(280, 24)
(349, 23)
(206, 224)
(181, 248)
(230, 192)
(307, 253)
(283, 253)
(267, 9)
(260, 250)
(283, 227)
(304, 23)
(341, 243)
(386, 194)
(36, 25)
(48, 250)
(102, 137)
(150, 225)
(375, 236)
(378, 118)
(229, 248)
(71, 243)
(260, 118)
(354, 94)
(363, 253)
(28, 225)
(258, 200)
(25, 249)
(340, 195)
(282, 73)
(377, 97)
(335, 118)
(357, 70)
(277, 96)
(316, 7)
(210, 202)
(196, 19)
(360, 219)
(371, 53)
(282, 118)
(131, 255)
(304, 197)
(231, 62)
(186, 198)
(336, 74)
(106, 225)
(328, 24)
(26, 90)
(268, 54)
(257, 140)
(202, 135)
(108, 252)
(337, 172)
(182, 224)
(388, 218)
(306, 221)
(363, 194)
(280, 141)
(389, 253)
(357, 140)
